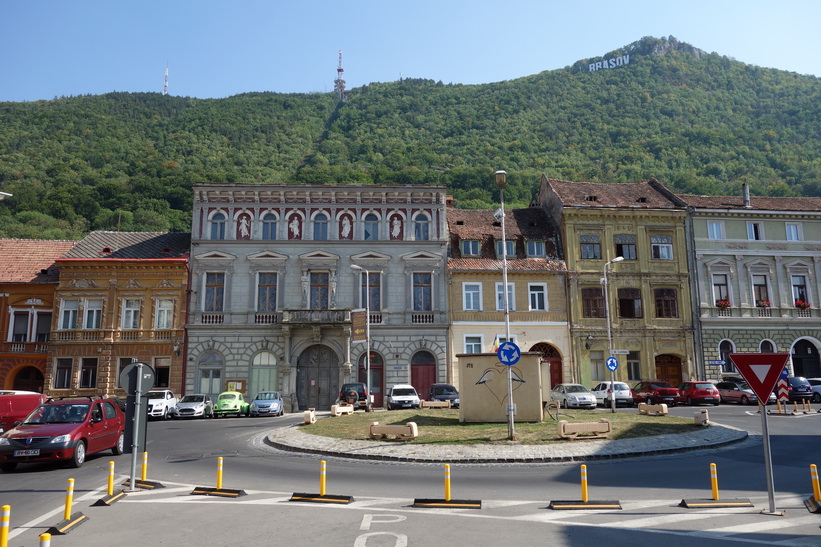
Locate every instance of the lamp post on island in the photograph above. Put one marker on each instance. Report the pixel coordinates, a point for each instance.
(501, 182)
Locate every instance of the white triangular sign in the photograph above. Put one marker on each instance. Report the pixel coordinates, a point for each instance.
(760, 371)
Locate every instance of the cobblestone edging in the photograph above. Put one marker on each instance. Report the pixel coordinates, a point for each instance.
(292, 439)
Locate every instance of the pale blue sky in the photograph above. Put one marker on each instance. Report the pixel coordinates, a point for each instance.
(53, 48)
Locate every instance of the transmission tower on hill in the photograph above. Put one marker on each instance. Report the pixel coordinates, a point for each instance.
(339, 83)
(165, 85)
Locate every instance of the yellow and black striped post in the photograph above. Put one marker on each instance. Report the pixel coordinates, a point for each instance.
(813, 503)
(219, 490)
(585, 502)
(322, 497)
(69, 521)
(448, 501)
(110, 496)
(715, 501)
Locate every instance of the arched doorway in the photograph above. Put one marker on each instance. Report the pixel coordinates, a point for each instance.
(805, 359)
(668, 369)
(317, 378)
(210, 373)
(552, 358)
(28, 379)
(377, 367)
(423, 372)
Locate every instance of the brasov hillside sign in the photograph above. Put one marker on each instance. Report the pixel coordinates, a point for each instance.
(615, 62)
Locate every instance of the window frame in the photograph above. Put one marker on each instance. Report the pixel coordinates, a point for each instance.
(130, 317)
(795, 227)
(421, 227)
(269, 223)
(537, 290)
(217, 226)
(466, 251)
(320, 224)
(373, 287)
(593, 307)
(62, 372)
(88, 373)
(473, 341)
(69, 314)
(590, 247)
(319, 293)
(803, 293)
(370, 227)
(661, 245)
(264, 304)
(632, 296)
(666, 300)
(500, 296)
(509, 246)
(475, 298)
(422, 291)
(535, 248)
(626, 246)
(164, 314)
(715, 229)
(214, 292)
(755, 230)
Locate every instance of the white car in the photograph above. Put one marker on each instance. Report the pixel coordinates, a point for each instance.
(161, 403)
(623, 394)
(198, 405)
(573, 396)
(816, 389)
(403, 396)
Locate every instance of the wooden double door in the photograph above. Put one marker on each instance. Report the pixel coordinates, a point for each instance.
(317, 378)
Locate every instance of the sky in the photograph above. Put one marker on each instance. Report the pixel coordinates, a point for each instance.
(214, 49)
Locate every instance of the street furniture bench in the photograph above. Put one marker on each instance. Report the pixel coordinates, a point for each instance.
(400, 431)
(585, 430)
(309, 416)
(339, 410)
(434, 404)
(656, 410)
(702, 417)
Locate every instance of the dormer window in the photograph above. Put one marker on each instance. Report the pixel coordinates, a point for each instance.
(591, 198)
(535, 249)
(105, 250)
(470, 247)
(641, 200)
(510, 248)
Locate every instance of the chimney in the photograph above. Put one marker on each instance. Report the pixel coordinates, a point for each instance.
(746, 191)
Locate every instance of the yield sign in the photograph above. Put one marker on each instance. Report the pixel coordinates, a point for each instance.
(761, 370)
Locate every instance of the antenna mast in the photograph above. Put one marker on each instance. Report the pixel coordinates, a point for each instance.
(165, 86)
(339, 83)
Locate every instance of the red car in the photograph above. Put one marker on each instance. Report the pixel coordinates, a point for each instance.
(64, 430)
(699, 392)
(654, 392)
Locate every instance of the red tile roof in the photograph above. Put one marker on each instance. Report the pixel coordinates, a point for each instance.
(759, 203)
(132, 245)
(514, 265)
(649, 194)
(531, 224)
(24, 260)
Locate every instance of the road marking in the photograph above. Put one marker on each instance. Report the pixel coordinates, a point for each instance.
(773, 524)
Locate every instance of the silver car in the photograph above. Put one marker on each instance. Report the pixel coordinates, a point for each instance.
(738, 391)
(623, 394)
(573, 396)
(267, 403)
(198, 405)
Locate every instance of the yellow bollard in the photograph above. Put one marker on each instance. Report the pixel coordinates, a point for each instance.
(816, 491)
(144, 475)
(69, 499)
(322, 477)
(111, 478)
(4, 526)
(714, 480)
(219, 473)
(795, 407)
(447, 482)
(584, 483)
(45, 539)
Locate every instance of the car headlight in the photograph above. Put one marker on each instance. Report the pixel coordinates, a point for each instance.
(4, 441)
(59, 439)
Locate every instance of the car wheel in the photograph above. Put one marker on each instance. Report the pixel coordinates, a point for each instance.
(745, 400)
(649, 401)
(8, 467)
(564, 403)
(117, 449)
(79, 455)
(689, 401)
(816, 397)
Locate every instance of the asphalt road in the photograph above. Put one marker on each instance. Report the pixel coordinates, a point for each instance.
(183, 455)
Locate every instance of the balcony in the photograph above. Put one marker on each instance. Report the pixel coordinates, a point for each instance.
(316, 317)
(755, 312)
(23, 347)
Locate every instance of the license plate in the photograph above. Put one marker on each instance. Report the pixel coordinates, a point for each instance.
(29, 452)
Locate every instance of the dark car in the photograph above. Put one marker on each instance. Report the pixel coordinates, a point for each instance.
(654, 392)
(799, 388)
(356, 394)
(699, 392)
(444, 392)
(64, 430)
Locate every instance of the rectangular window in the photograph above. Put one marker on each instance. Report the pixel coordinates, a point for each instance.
(593, 302)
(633, 366)
(88, 373)
(760, 293)
(20, 328)
(630, 303)
(537, 296)
(94, 314)
(590, 246)
(62, 374)
(662, 247)
(470, 247)
(266, 292)
(715, 229)
(793, 231)
(500, 297)
(721, 288)
(43, 328)
(269, 227)
(472, 296)
(162, 369)
(214, 291)
(625, 246)
(165, 314)
(509, 248)
(131, 314)
(371, 228)
(535, 248)
(68, 314)
(319, 291)
(124, 362)
(755, 231)
(373, 286)
(422, 292)
(597, 366)
(799, 289)
(473, 344)
(421, 228)
(666, 303)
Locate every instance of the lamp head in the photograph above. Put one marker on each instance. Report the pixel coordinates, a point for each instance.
(501, 179)
(617, 259)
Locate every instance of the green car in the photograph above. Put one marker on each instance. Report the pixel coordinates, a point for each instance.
(231, 402)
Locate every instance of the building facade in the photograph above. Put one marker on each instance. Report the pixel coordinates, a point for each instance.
(277, 270)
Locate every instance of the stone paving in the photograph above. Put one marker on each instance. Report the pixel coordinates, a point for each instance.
(293, 439)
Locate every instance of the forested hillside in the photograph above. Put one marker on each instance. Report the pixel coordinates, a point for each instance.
(700, 123)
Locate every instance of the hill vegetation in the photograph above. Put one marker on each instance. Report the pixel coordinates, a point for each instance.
(700, 123)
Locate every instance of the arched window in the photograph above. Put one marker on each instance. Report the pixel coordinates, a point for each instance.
(321, 227)
(210, 373)
(725, 349)
(269, 227)
(218, 226)
(371, 227)
(263, 372)
(766, 347)
(421, 227)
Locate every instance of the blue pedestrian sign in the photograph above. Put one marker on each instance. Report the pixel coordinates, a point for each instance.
(508, 353)
(612, 364)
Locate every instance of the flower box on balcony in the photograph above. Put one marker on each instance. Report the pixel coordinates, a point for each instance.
(722, 304)
(802, 305)
(762, 303)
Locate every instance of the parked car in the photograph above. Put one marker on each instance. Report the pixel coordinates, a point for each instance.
(403, 396)
(623, 394)
(654, 392)
(816, 389)
(573, 396)
(198, 405)
(444, 392)
(231, 402)
(267, 403)
(161, 402)
(356, 394)
(699, 392)
(14, 406)
(799, 388)
(737, 390)
(64, 430)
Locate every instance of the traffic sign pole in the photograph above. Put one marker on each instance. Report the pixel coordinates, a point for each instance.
(768, 464)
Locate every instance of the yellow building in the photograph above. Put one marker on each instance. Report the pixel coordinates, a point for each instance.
(636, 231)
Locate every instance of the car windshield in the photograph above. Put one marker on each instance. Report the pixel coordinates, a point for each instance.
(621, 387)
(156, 395)
(704, 385)
(227, 397)
(445, 390)
(267, 396)
(576, 389)
(660, 384)
(58, 414)
(403, 391)
(193, 399)
(743, 385)
(798, 381)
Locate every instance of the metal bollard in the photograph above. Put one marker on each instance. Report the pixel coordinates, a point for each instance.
(816, 491)
(69, 499)
(714, 480)
(4, 526)
(584, 483)
(110, 490)
(219, 473)
(45, 539)
(144, 475)
(447, 482)
(322, 477)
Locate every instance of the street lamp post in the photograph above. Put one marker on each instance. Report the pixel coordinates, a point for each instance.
(609, 336)
(367, 331)
(501, 182)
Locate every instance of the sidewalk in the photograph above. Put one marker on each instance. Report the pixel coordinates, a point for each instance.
(293, 439)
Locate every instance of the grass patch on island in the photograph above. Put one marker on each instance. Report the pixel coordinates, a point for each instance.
(442, 426)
